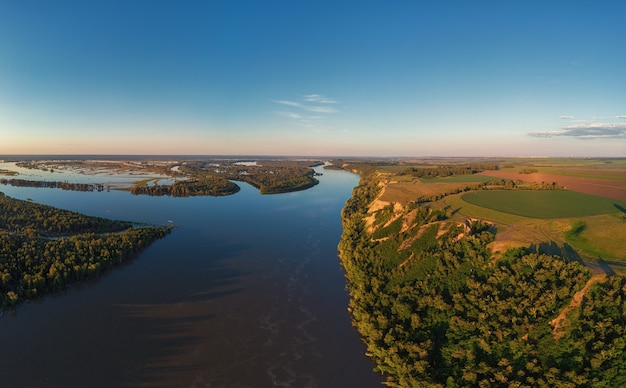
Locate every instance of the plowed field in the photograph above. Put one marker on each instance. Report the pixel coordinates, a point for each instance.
(601, 187)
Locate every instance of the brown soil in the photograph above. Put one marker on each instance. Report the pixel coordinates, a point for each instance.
(600, 187)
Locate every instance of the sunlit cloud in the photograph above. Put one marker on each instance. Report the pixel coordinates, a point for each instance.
(314, 103)
(587, 131)
(566, 117)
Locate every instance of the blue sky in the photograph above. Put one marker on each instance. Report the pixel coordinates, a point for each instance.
(370, 78)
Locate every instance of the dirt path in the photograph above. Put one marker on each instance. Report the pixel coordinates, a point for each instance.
(560, 322)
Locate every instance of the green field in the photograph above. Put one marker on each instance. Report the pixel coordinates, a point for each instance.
(544, 204)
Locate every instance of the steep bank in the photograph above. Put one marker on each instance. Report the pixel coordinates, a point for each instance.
(436, 309)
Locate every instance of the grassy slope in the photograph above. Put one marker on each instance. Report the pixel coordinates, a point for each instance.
(527, 217)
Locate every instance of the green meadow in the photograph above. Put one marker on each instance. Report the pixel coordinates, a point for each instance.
(545, 204)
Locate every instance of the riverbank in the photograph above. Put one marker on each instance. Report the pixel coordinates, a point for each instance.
(436, 308)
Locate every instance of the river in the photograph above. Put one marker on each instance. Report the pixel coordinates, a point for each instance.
(246, 292)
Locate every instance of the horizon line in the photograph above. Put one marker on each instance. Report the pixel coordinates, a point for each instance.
(261, 156)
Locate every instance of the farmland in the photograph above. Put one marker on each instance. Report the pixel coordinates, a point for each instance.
(478, 279)
(595, 195)
(605, 178)
(544, 204)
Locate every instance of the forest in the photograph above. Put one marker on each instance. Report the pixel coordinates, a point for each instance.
(44, 249)
(207, 185)
(447, 170)
(435, 308)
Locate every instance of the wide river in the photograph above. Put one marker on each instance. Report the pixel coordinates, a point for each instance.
(247, 291)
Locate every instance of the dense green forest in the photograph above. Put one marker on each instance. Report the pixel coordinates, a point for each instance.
(207, 185)
(43, 249)
(436, 309)
(447, 170)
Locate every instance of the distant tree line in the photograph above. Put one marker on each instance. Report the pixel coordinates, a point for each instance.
(209, 185)
(55, 185)
(496, 184)
(444, 171)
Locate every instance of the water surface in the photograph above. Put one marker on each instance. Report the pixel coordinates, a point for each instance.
(246, 292)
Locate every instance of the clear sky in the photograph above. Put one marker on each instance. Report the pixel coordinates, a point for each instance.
(370, 78)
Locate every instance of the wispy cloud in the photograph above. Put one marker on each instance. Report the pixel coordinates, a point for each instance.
(320, 106)
(319, 99)
(320, 109)
(587, 130)
(290, 115)
(286, 102)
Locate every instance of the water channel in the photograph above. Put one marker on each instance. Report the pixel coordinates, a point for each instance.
(246, 292)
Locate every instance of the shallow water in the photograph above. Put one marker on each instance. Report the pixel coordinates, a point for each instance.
(246, 292)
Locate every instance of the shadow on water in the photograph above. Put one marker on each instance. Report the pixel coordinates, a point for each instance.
(80, 285)
(233, 297)
(179, 327)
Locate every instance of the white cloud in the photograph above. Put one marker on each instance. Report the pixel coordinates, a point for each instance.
(286, 102)
(587, 131)
(290, 115)
(320, 109)
(566, 117)
(318, 98)
(316, 103)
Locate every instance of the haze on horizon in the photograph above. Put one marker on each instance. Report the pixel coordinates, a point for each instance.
(448, 78)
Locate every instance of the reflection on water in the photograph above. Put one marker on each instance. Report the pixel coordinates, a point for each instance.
(246, 292)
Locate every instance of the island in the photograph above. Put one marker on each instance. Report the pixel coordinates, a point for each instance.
(44, 249)
(176, 178)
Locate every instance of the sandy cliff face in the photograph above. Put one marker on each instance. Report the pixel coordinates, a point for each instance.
(379, 204)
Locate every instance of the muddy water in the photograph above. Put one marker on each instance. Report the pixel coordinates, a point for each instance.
(246, 292)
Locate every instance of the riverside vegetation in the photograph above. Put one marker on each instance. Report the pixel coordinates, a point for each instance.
(202, 177)
(436, 307)
(44, 249)
(215, 178)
